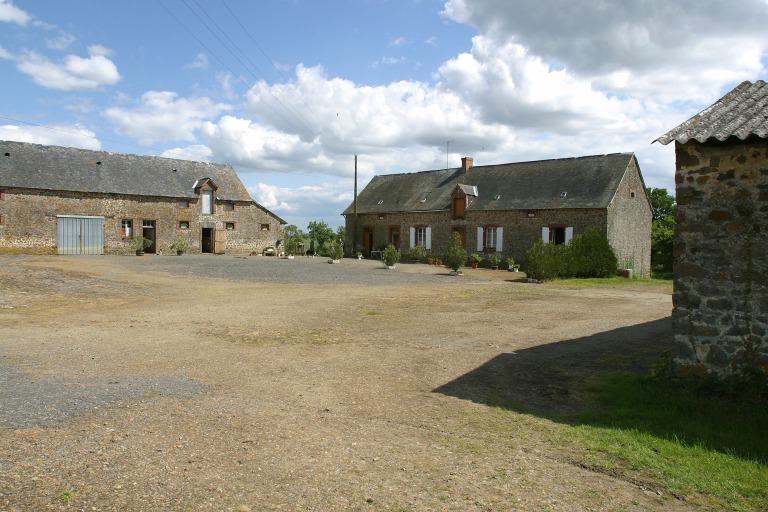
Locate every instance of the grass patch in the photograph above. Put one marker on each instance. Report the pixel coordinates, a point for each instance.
(708, 444)
(662, 286)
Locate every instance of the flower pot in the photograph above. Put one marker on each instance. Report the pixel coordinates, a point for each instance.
(139, 253)
(474, 265)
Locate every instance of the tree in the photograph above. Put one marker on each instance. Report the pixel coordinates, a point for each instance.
(322, 234)
(663, 229)
(662, 203)
(293, 237)
(456, 256)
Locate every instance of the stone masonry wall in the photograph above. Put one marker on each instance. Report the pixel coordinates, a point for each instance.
(520, 231)
(720, 314)
(630, 220)
(29, 222)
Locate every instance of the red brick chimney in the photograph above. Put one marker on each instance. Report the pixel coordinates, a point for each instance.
(466, 163)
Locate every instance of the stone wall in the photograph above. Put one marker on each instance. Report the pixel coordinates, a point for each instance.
(29, 222)
(720, 313)
(520, 230)
(630, 219)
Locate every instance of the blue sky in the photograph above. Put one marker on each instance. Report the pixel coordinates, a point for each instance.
(288, 91)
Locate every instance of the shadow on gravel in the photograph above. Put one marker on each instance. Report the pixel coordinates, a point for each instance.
(550, 380)
(26, 401)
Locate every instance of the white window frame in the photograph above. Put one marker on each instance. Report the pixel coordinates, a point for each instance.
(207, 202)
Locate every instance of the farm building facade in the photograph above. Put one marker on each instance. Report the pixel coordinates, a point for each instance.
(75, 201)
(507, 208)
(720, 314)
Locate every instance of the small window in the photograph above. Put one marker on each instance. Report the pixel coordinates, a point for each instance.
(207, 202)
(2, 195)
(229, 225)
(126, 228)
(183, 204)
(183, 224)
(631, 194)
(421, 236)
(265, 227)
(228, 207)
(491, 239)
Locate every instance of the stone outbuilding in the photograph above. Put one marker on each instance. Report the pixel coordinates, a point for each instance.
(506, 208)
(75, 201)
(720, 313)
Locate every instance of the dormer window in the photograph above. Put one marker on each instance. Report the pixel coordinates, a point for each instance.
(207, 196)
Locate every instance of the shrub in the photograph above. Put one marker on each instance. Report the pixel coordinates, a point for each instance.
(456, 256)
(390, 256)
(417, 252)
(493, 259)
(591, 255)
(336, 250)
(587, 255)
(475, 258)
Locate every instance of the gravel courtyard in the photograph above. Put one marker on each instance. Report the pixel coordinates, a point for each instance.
(248, 384)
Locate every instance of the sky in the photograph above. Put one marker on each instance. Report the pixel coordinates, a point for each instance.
(289, 91)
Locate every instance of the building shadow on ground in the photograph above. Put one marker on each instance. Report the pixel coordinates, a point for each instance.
(551, 379)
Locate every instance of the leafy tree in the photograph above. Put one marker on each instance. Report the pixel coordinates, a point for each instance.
(455, 256)
(663, 230)
(293, 237)
(663, 204)
(322, 234)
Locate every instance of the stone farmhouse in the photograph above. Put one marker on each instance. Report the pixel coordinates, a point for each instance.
(74, 201)
(720, 314)
(507, 208)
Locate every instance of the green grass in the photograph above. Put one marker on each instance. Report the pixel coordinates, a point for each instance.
(706, 444)
(663, 286)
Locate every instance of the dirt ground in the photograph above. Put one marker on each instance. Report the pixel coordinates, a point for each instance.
(149, 390)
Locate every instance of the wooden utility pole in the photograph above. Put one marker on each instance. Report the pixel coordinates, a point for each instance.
(354, 214)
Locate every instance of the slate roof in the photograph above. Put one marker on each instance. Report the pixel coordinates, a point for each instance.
(588, 182)
(36, 166)
(740, 113)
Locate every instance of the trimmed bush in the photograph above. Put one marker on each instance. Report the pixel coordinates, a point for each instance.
(589, 254)
(456, 256)
(390, 255)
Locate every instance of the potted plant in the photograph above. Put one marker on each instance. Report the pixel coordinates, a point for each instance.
(475, 259)
(180, 246)
(390, 256)
(335, 251)
(139, 243)
(493, 259)
(455, 256)
(511, 264)
(359, 255)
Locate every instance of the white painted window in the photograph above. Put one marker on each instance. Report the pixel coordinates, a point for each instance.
(208, 201)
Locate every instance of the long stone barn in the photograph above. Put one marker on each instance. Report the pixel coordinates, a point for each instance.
(59, 200)
(720, 313)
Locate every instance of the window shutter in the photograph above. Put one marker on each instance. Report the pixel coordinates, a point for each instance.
(545, 234)
(479, 239)
(429, 238)
(413, 236)
(500, 239)
(568, 234)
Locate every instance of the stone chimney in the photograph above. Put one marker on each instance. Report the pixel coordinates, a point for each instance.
(466, 163)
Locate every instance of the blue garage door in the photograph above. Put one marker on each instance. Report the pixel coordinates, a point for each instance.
(80, 235)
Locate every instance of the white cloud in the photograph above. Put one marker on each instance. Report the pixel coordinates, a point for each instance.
(160, 116)
(63, 42)
(654, 48)
(73, 73)
(55, 135)
(5, 54)
(398, 41)
(323, 201)
(11, 14)
(200, 62)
